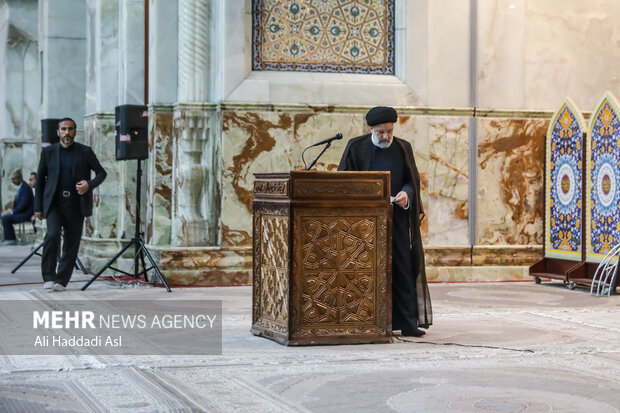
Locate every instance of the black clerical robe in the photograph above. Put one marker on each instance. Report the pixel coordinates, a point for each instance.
(359, 155)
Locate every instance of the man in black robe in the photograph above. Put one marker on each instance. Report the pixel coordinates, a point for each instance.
(381, 151)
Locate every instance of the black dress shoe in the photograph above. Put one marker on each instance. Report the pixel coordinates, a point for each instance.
(413, 333)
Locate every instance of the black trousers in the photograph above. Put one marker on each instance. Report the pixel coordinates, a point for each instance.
(404, 294)
(64, 215)
(8, 221)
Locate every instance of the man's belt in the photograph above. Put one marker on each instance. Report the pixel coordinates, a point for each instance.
(66, 194)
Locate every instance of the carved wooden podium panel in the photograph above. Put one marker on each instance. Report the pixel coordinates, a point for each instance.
(322, 257)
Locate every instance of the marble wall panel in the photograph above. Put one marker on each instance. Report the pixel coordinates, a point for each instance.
(196, 163)
(562, 39)
(252, 142)
(62, 17)
(500, 59)
(447, 255)
(310, 128)
(477, 274)
(270, 141)
(255, 142)
(533, 53)
(114, 200)
(441, 148)
(21, 91)
(510, 183)
(158, 223)
(204, 266)
(448, 48)
(506, 254)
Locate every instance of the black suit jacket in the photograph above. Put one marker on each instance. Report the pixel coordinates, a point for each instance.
(24, 203)
(48, 175)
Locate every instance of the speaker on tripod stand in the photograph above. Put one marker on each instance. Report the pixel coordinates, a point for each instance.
(49, 131)
(132, 144)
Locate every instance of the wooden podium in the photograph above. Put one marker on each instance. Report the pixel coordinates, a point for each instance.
(322, 257)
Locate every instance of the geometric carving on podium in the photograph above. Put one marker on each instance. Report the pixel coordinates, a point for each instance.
(273, 272)
(337, 267)
(365, 189)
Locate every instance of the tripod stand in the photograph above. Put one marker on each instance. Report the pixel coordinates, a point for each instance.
(139, 247)
(78, 263)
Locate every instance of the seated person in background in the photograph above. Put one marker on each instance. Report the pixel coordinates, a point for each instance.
(23, 208)
(32, 181)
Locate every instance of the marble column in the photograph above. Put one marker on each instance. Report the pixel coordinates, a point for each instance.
(113, 214)
(195, 17)
(195, 191)
(131, 53)
(184, 207)
(163, 52)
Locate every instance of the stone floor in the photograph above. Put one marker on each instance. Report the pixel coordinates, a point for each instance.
(494, 347)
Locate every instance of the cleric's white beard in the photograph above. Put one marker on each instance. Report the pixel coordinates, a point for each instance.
(381, 144)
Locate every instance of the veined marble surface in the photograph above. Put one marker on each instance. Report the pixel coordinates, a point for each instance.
(115, 199)
(510, 181)
(441, 149)
(158, 223)
(255, 142)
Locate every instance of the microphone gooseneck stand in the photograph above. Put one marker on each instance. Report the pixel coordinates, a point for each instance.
(323, 142)
(317, 158)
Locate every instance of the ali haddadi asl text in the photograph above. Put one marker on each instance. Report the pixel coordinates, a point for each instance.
(81, 341)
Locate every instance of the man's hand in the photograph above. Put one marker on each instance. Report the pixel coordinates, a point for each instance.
(401, 199)
(81, 187)
(39, 215)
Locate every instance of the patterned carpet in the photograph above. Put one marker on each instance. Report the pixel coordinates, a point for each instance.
(497, 347)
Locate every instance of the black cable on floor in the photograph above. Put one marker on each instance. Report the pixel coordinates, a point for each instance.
(463, 345)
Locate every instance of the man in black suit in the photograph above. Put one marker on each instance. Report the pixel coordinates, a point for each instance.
(22, 208)
(64, 196)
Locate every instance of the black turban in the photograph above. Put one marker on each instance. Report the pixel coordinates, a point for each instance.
(381, 114)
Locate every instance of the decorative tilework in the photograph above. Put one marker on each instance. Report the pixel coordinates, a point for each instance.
(324, 35)
(564, 167)
(602, 185)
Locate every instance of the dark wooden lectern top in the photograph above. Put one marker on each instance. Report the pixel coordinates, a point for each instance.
(322, 257)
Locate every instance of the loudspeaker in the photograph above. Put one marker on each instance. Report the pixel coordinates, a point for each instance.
(132, 123)
(49, 132)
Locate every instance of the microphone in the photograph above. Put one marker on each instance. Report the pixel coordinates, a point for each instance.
(328, 140)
